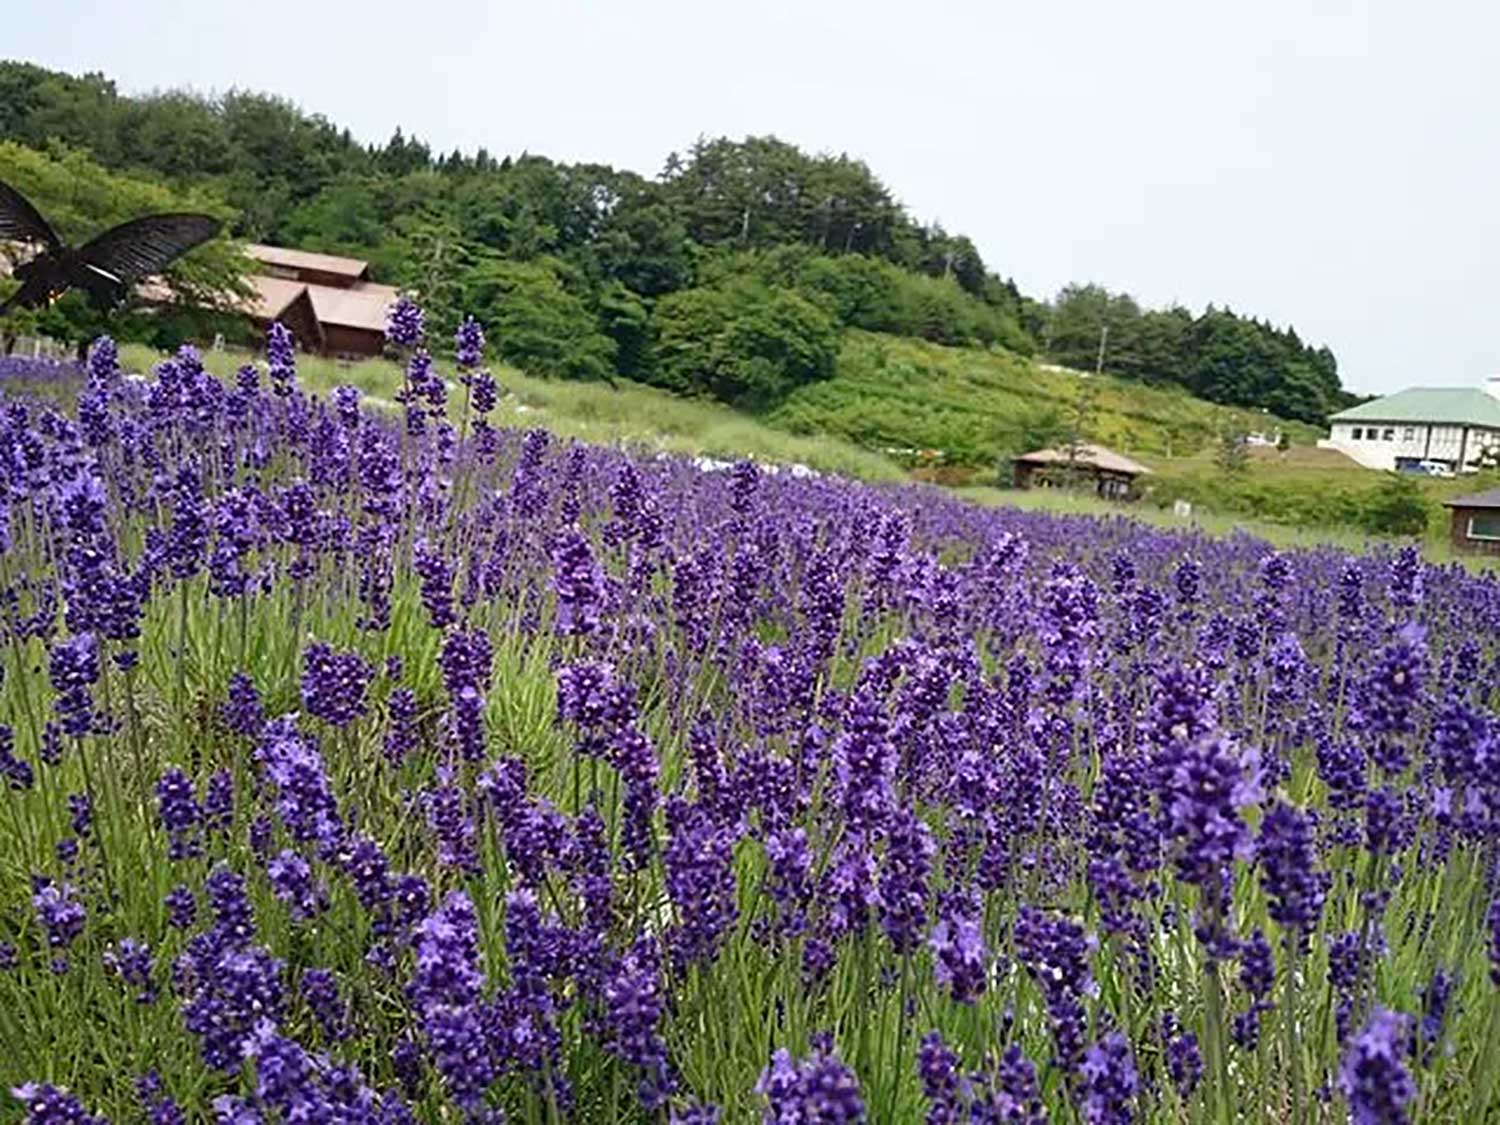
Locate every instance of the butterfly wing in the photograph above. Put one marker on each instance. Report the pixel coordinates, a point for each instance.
(135, 250)
(21, 222)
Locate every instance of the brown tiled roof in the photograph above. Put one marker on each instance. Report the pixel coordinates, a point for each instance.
(272, 296)
(1095, 456)
(363, 306)
(291, 259)
(1490, 498)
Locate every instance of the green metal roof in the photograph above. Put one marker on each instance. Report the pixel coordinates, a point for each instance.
(1447, 406)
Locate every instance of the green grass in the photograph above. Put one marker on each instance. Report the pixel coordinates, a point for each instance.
(895, 392)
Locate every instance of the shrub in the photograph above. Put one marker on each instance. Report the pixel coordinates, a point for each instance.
(1396, 506)
(743, 343)
(540, 326)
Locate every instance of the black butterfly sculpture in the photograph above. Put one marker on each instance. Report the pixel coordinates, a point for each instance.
(106, 268)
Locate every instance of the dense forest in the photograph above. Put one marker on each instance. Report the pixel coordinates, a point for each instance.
(730, 272)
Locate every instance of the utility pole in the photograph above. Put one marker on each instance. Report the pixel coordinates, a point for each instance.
(1103, 340)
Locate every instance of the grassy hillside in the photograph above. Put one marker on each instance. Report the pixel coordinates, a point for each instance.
(895, 392)
(630, 414)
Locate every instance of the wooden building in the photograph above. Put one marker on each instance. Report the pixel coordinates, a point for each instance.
(1475, 526)
(329, 302)
(1110, 474)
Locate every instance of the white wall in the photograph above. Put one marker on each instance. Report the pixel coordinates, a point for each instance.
(1391, 442)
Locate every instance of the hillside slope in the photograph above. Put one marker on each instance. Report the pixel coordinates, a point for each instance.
(972, 406)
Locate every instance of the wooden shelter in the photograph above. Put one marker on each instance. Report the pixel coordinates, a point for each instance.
(1111, 475)
(329, 302)
(1475, 524)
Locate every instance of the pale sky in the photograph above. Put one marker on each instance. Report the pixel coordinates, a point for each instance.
(1327, 163)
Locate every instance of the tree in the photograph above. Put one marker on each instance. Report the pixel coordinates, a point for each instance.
(746, 344)
(1397, 506)
(1035, 429)
(80, 199)
(1232, 455)
(537, 324)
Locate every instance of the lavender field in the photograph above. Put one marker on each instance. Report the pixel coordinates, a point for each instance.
(364, 768)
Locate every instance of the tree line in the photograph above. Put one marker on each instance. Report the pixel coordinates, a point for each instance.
(730, 272)
(1217, 354)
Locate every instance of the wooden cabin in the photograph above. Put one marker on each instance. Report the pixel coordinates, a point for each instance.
(1108, 473)
(1475, 522)
(329, 302)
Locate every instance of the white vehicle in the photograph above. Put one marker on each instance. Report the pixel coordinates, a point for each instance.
(1435, 468)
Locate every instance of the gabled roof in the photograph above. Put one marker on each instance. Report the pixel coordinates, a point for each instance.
(363, 306)
(1490, 498)
(1444, 406)
(272, 296)
(291, 259)
(1093, 455)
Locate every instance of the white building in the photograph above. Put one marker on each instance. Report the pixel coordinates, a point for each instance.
(1450, 425)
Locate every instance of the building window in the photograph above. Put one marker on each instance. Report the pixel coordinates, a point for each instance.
(1389, 434)
(1357, 433)
(1485, 525)
(1409, 434)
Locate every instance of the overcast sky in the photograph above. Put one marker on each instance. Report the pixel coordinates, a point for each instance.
(1331, 164)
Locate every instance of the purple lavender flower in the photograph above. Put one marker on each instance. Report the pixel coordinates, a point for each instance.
(304, 794)
(484, 392)
(634, 1005)
(401, 733)
(159, 1107)
(177, 806)
(237, 992)
(292, 882)
(465, 661)
(452, 825)
(1203, 788)
(578, 582)
(320, 991)
(1257, 974)
(695, 1114)
(132, 962)
(406, 325)
(1288, 868)
(334, 684)
(468, 343)
(59, 912)
(73, 669)
(1391, 695)
(1110, 1082)
(182, 907)
(17, 772)
(437, 583)
(699, 866)
(52, 1105)
(937, 1067)
(281, 359)
(960, 959)
(1373, 1074)
(819, 1089)
(447, 956)
(346, 406)
(80, 813)
(242, 712)
(1184, 1059)
(1055, 952)
(1427, 1032)
(218, 802)
(1492, 921)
